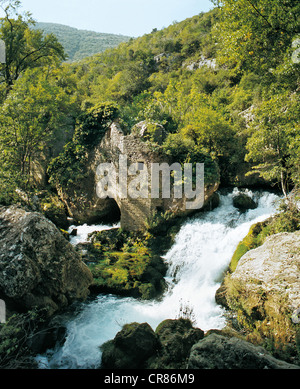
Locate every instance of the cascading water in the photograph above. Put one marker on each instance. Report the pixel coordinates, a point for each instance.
(200, 255)
(83, 231)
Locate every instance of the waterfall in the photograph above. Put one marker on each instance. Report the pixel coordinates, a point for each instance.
(84, 230)
(196, 262)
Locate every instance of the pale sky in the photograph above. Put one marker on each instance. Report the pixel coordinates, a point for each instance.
(127, 17)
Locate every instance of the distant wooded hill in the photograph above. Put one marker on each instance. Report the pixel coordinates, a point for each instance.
(79, 44)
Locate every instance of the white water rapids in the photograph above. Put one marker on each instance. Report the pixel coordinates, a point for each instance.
(197, 261)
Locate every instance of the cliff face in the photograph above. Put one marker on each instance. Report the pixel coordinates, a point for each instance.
(83, 201)
(38, 266)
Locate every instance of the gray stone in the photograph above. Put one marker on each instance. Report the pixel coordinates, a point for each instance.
(244, 202)
(219, 352)
(83, 202)
(38, 266)
(130, 348)
(273, 267)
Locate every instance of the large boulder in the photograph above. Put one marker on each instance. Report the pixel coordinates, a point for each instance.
(38, 266)
(131, 347)
(273, 268)
(138, 346)
(176, 338)
(243, 202)
(219, 352)
(263, 292)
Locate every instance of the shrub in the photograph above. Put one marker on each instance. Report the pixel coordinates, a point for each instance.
(15, 336)
(68, 167)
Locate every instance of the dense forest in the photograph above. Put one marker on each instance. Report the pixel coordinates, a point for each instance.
(79, 44)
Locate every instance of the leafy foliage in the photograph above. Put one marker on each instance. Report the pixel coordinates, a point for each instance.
(15, 335)
(256, 34)
(25, 48)
(68, 167)
(30, 118)
(274, 134)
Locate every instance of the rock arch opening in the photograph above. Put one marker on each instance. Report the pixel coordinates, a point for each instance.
(113, 214)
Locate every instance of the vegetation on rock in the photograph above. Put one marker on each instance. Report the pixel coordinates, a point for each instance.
(138, 346)
(123, 263)
(15, 351)
(286, 220)
(262, 302)
(69, 167)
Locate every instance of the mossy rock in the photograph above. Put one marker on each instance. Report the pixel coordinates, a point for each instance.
(147, 291)
(131, 347)
(176, 337)
(137, 346)
(251, 241)
(128, 274)
(148, 131)
(54, 210)
(244, 202)
(123, 264)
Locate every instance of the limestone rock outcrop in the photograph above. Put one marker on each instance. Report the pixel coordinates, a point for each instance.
(219, 352)
(273, 268)
(263, 295)
(38, 266)
(83, 202)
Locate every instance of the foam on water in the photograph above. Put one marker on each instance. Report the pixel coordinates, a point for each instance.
(200, 255)
(84, 230)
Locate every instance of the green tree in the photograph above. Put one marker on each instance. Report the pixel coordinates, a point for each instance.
(255, 34)
(208, 129)
(25, 48)
(31, 117)
(274, 140)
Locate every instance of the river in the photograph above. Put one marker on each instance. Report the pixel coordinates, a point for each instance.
(196, 262)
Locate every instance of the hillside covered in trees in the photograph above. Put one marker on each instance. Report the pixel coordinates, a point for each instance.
(79, 44)
(224, 83)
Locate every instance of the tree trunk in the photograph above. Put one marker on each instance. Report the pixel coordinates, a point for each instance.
(283, 183)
